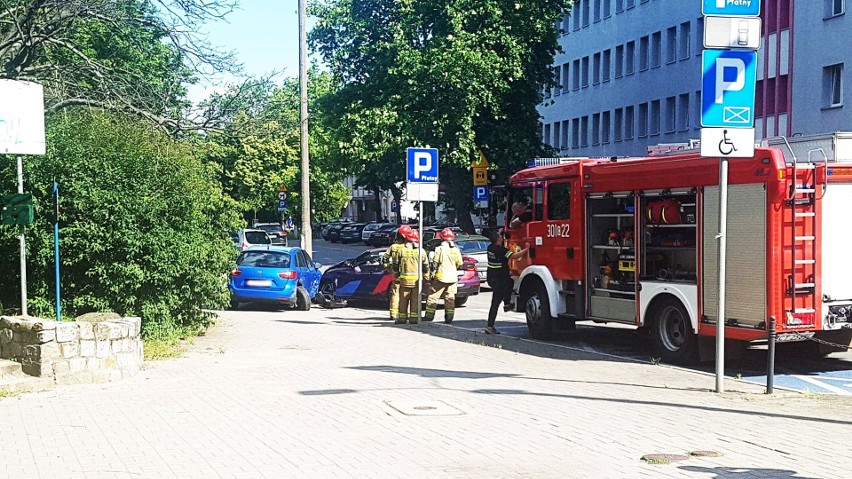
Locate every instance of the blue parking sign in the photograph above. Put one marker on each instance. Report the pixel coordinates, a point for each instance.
(422, 165)
(480, 193)
(727, 94)
(733, 8)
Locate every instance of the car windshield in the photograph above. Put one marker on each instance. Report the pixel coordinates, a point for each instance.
(269, 228)
(473, 246)
(264, 259)
(257, 237)
(387, 228)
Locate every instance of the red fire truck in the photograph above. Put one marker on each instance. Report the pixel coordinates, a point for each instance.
(634, 241)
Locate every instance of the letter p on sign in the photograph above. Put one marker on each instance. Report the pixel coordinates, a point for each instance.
(724, 68)
(422, 165)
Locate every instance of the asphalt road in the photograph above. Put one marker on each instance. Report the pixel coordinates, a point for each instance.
(829, 375)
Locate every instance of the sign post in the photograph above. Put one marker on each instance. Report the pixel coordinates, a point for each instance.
(22, 133)
(422, 173)
(480, 180)
(56, 246)
(727, 115)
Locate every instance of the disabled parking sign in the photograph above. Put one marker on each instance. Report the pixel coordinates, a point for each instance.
(728, 83)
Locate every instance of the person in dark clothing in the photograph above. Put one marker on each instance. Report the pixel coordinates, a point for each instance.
(498, 276)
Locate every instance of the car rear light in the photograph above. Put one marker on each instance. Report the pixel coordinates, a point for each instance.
(287, 275)
(469, 263)
(236, 273)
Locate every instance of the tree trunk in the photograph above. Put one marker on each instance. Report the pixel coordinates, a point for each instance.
(397, 198)
(460, 197)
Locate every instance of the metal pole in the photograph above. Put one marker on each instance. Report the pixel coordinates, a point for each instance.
(56, 246)
(723, 244)
(770, 357)
(307, 241)
(420, 261)
(23, 243)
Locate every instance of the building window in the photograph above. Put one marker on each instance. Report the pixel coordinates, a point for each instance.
(834, 8)
(654, 121)
(557, 79)
(619, 61)
(683, 112)
(643, 120)
(596, 69)
(644, 53)
(631, 3)
(697, 97)
(575, 79)
(584, 131)
(671, 114)
(629, 122)
(576, 20)
(832, 85)
(585, 73)
(575, 133)
(607, 8)
(566, 87)
(671, 45)
(685, 39)
(605, 127)
(566, 125)
(619, 6)
(656, 49)
(586, 5)
(556, 137)
(618, 126)
(606, 67)
(546, 138)
(596, 129)
(547, 91)
(598, 10)
(699, 35)
(630, 58)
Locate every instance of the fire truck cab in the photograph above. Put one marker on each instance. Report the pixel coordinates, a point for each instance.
(634, 241)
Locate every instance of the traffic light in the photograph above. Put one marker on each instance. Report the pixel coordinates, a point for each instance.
(17, 209)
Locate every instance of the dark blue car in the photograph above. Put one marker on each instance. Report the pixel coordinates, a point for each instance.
(275, 274)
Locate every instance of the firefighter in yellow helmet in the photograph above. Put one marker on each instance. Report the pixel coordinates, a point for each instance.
(446, 263)
(405, 261)
(387, 262)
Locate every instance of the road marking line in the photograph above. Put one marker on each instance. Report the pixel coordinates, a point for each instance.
(828, 387)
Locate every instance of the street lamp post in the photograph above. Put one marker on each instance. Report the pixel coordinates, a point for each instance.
(303, 129)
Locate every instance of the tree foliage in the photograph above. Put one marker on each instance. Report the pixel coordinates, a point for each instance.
(258, 149)
(142, 224)
(453, 74)
(124, 55)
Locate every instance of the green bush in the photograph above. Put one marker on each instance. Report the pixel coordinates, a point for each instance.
(142, 225)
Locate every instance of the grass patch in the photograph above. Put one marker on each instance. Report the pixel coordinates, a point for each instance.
(162, 349)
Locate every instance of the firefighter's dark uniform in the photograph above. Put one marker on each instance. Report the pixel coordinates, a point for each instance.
(498, 278)
(446, 263)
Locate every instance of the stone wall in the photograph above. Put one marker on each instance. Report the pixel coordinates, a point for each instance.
(73, 352)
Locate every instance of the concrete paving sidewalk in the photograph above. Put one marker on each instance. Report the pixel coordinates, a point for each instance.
(341, 393)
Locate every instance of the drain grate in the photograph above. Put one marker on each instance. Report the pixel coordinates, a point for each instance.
(424, 408)
(664, 458)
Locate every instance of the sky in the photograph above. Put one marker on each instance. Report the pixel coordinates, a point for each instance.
(264, 34)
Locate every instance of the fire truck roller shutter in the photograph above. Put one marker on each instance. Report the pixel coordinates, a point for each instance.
(836, 260)
(747, 254)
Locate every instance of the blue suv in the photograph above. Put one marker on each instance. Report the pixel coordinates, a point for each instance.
(275, 274)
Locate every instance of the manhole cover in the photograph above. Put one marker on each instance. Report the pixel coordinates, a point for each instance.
(705, 454)
(664, 458)
(424, 408)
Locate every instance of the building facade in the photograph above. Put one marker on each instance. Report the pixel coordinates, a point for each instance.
(629, 75)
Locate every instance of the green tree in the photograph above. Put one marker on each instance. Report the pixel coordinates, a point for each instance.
(258, 149)
(457, 75)
(142, 225)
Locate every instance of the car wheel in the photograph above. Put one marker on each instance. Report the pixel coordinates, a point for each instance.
(672, 332)
(303, 299)
(537, 310)
(461, 301)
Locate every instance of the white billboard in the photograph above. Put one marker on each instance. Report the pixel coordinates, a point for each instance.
(21, 118)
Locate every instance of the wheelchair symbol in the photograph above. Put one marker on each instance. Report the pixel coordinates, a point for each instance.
(725, 144)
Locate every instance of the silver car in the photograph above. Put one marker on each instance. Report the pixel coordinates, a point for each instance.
(250, 237)
(474, 247)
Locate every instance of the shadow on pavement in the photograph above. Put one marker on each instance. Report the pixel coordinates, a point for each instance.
(743, 472)
(296, 321)
(433, 373)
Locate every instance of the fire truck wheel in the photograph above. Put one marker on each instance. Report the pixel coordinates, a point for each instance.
(672, 332)
(537, 309)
